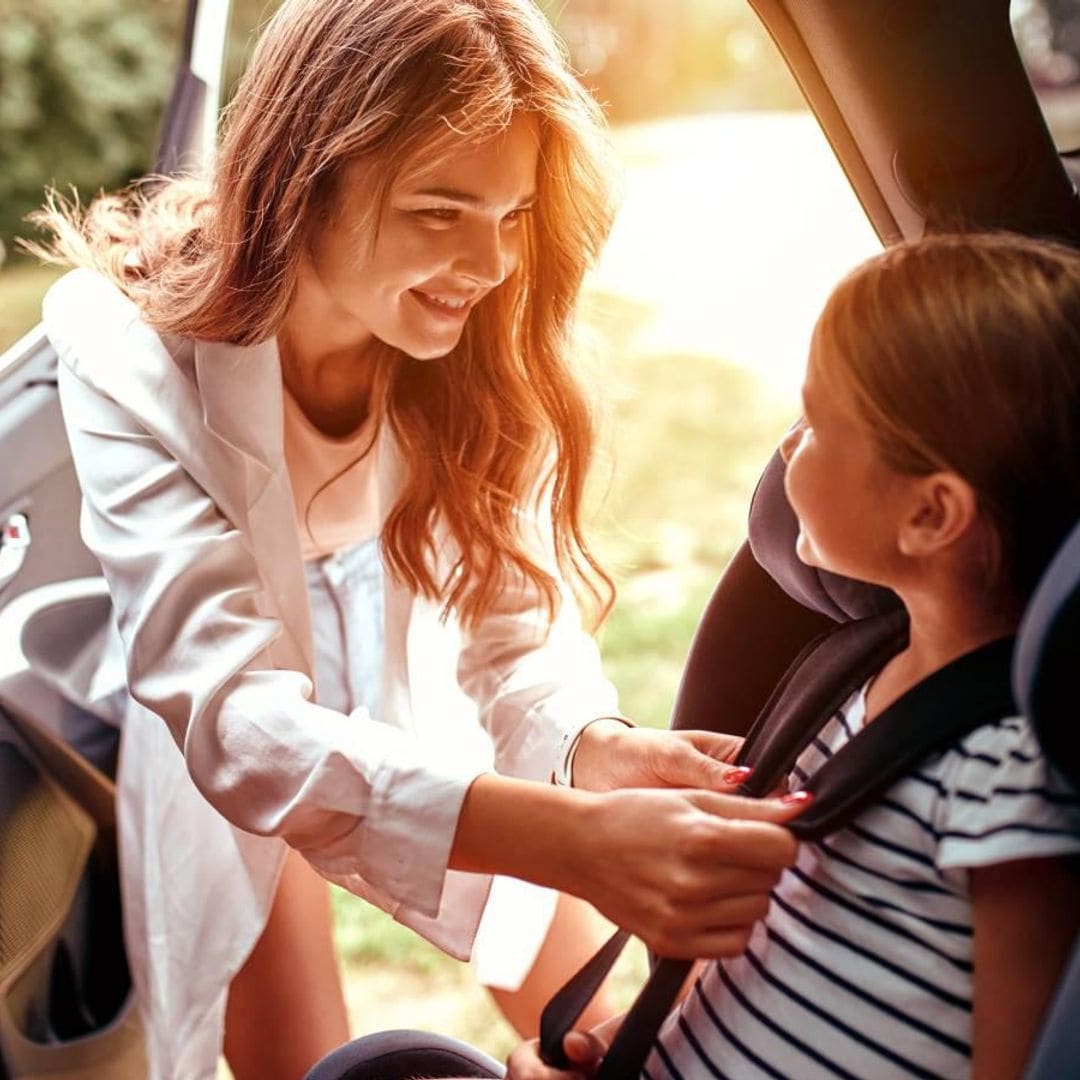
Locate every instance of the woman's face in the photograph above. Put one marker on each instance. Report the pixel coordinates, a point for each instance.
(448, 235)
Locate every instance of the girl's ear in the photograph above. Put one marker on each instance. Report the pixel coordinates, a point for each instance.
(943, 509)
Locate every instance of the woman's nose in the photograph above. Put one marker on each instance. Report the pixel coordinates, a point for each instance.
(488, 259)
(791, 440)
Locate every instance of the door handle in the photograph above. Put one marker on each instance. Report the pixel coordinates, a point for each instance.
(14, 544)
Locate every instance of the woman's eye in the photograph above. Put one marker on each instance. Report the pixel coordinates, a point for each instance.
(515, 217)
(443, 214)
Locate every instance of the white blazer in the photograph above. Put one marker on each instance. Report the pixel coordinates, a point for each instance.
(187, 504)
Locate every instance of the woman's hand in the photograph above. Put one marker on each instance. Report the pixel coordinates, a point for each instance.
(689, 872)
(611, 755)
(584, 1049)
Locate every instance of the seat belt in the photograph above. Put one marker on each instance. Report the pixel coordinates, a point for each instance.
(972, 690)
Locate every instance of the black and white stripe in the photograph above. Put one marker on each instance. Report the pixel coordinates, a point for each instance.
(863, 966)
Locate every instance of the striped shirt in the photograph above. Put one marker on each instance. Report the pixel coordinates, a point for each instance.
(863, 965)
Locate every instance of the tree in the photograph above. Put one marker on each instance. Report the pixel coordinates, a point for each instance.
(82, 91)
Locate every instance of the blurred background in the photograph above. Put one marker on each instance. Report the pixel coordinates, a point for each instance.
(735, 222)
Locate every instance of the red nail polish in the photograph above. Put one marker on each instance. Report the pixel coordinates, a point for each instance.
(737, 775)
(799, 798)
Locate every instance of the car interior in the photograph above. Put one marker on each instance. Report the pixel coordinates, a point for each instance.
(933, 117)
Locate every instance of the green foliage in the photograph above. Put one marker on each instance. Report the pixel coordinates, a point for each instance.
(82, 91)
(690, 435)
(365, 936)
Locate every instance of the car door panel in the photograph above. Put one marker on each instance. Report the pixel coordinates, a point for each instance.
(37, 479)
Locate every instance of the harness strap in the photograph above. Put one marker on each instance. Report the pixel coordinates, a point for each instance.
(970, 691)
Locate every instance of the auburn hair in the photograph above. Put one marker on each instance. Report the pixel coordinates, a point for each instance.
(963, 353)
(498, 432)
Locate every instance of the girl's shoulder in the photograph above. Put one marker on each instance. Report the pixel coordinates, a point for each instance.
(1007, 748)
(1000, 799)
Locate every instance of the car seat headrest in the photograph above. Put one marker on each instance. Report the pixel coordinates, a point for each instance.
(1044, 666)
(773, 532)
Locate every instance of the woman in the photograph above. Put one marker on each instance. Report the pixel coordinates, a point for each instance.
(349, 349)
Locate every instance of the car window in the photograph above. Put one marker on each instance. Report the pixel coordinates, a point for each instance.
(1048, 37)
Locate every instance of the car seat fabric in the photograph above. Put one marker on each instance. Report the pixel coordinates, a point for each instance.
(404, 1055)
(1057, 1050)
(773, 532)
(1044, 680)
(1044, 672)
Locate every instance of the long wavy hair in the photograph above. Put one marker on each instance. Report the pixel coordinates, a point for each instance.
(498, 433)
(963, 353)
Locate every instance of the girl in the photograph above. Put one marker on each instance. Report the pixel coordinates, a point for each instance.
(332, 458)
(937, 456)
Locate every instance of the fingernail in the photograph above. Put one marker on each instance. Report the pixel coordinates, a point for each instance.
(797, 798)
(737, 775)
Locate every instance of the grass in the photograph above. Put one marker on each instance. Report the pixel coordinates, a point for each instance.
(22, 286)
(683, 441)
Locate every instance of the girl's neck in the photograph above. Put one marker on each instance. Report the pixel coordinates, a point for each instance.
(942, 628)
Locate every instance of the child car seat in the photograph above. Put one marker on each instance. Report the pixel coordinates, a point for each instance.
(1044, 677)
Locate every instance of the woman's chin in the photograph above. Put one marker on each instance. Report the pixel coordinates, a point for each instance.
(428, 349)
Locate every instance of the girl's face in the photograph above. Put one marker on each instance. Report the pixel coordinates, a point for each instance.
(849, 503)
(449, 234)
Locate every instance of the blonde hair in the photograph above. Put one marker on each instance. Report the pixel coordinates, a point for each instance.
(498, 426)
(963, 353)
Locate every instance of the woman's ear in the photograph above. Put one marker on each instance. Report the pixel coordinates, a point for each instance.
(943, 509)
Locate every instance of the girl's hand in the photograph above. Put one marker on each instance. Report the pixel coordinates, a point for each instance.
(584, 1049)
(611, 755)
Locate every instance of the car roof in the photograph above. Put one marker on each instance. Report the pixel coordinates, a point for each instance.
(930, 111)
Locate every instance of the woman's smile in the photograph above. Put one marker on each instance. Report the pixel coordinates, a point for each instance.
(453, 309)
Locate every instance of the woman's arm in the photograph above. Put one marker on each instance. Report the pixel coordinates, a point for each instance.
(1026, 916)
(689, 872)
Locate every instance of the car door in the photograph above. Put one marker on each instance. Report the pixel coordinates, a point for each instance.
(66, 1004)
(39, 496)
